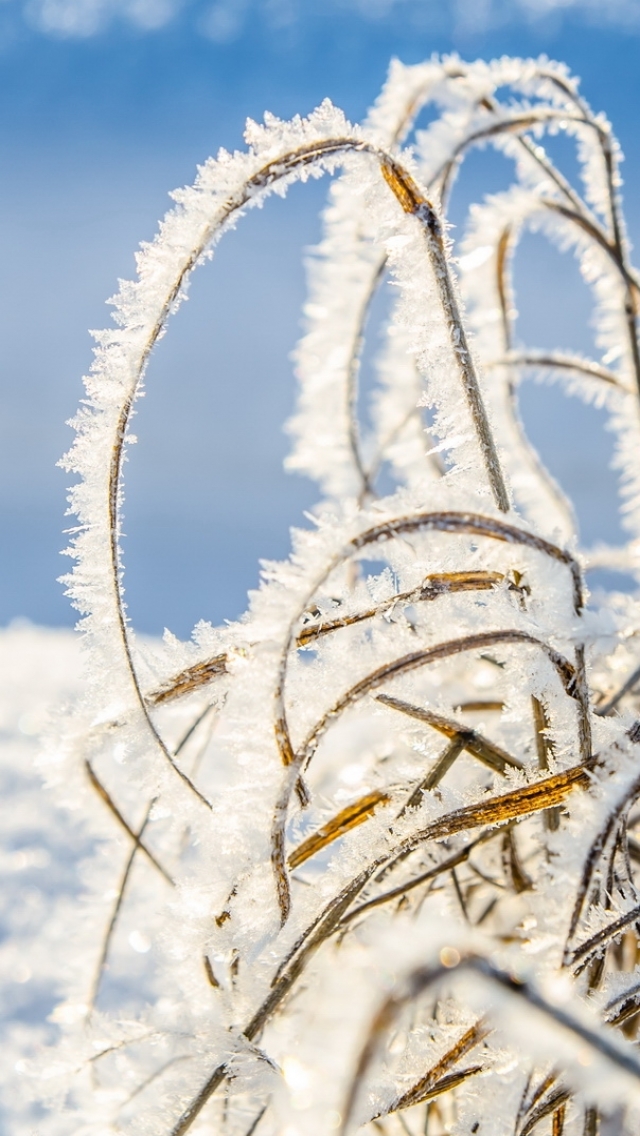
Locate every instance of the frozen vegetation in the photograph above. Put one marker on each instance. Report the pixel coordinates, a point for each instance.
(367, 858)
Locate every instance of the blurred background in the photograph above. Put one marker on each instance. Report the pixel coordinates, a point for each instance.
(106, 105)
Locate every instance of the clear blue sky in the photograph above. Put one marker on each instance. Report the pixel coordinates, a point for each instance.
(101, 115)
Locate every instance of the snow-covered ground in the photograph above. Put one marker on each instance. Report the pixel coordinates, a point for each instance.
(40, 854)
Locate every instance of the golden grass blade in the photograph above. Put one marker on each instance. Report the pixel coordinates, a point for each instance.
(518, 803)
(480, 705)
(550, 1105)
(469, 1040)
(557, 1122)
(188, 680)
(445, 1085)
(349, 817)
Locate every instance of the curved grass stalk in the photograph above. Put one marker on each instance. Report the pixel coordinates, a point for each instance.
(560, 362)
(473, 524)
(565, 670)
(513, 125)
(599, 238)
(412, 202)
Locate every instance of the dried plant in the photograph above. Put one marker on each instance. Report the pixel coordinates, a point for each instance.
(374, 844)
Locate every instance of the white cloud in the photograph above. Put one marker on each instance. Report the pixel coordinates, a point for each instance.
(83, 18)
(225, 20)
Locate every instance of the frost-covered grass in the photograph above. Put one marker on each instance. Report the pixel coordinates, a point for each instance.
(365, 858)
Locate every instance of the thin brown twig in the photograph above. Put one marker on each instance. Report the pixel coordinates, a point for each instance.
(513, 125)
(188, 680)
(605, 708)
(559, 361)
(425, 877)
(439, 770)
(104, 954)
(436, 584)
(605, 935)
(115, 811)
(486, 751)
(544, 747)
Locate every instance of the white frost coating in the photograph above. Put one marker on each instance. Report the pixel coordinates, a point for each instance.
(370, 850)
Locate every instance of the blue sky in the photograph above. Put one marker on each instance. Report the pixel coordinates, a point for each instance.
(107, 106)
